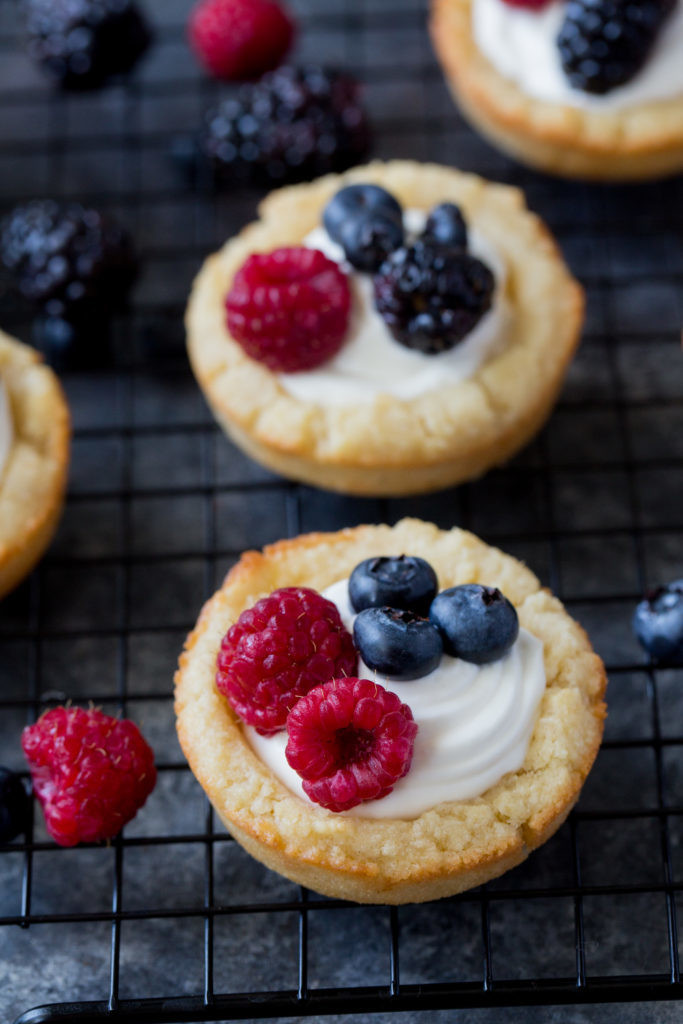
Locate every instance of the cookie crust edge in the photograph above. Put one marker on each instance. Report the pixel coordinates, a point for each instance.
(34, 479)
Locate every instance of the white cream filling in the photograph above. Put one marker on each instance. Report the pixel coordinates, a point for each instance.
(371, 362)
(474, 725)
(6, 427)
(521, 45)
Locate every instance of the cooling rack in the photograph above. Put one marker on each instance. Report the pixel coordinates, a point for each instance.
(172, 921)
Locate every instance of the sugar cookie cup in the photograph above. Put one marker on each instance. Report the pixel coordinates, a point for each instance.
(34, 477)
(391, 446)
(635, 143)
(454, 845)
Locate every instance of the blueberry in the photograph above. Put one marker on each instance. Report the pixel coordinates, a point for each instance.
(359, 201)
(478, 624)
(446, 224)
(401, 582)
(14, 805)
(367, 241)
(397, 643)
(658, 623)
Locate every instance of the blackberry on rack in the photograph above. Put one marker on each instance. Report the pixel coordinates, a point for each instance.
(431, 295)
(72, 262)
(604, 43)
(82, 43)
(294, 123)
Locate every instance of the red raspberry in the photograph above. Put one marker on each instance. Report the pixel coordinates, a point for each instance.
(350, 740)
(280, 649)
(240, 38)
(289, 308)
(91, 772)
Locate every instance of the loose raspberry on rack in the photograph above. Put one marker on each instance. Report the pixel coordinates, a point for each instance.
(278, 650)
(238, 39)
(91, 772)
(289, 309)
(350, 740)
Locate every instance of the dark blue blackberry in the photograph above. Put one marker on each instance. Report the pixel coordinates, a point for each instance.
(65, 257)
(477, 623)
(82, 43)
(402, 581)
(446, 224)
(431, 295)
(74, 264)
(658, 623)
(364, 201)
(293, 124)
(397, 643)
(15, 806)
(605, 43)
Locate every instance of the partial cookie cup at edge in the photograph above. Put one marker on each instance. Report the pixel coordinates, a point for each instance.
(390, 446)
(633, 144)
(453, 846)
(34, 478)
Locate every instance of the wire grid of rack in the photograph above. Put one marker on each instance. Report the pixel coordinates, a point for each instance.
(173, 922)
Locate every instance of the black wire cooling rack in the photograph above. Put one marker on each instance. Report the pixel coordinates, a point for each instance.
(172, 921)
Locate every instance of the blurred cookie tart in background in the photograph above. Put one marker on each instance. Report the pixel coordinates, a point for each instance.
(581, 88)
(393, 330)
(34, 457)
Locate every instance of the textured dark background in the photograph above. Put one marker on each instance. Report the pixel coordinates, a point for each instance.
(160, 505)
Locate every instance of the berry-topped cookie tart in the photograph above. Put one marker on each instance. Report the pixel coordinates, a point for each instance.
(581, 88)
(395, 329)
(388, 714)
(34, 458)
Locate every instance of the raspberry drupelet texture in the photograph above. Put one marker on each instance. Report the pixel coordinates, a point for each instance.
(289, 309)
(350, 740)
(237, 39)
(91, 772)
(278, 650)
